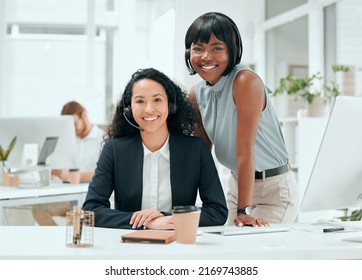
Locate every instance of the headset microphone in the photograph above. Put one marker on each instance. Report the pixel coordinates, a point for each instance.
(135, 126)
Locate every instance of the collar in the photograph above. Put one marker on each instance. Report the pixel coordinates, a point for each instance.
(163, 151)
(219, 86)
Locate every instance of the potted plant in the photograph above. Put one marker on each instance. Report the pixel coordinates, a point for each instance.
(356, 215)
(8, 180)
(311, 90)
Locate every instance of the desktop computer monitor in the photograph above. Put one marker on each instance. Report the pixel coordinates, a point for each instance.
(336, 178)
(35, 130)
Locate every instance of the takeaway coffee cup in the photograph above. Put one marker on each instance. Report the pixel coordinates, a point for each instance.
(74, 176)
(186, 220)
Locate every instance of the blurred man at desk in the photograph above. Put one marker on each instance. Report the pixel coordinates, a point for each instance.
(89, 140)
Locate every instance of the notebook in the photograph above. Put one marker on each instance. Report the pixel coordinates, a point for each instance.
(234, 230)
(149, 236)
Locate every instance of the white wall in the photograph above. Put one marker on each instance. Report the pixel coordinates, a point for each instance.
(286, 45)
(3, 97)
(45, 72)
(45, 69)
(147, 33)
(157, 37)
(349, 44)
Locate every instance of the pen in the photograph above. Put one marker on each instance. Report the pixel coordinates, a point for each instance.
(80, 229)
(76, 225)
(332, 229)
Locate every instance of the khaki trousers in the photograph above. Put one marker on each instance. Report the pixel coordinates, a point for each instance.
(44, 213)
(275, 199)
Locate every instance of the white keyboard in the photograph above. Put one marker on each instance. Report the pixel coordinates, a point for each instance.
(234, 230)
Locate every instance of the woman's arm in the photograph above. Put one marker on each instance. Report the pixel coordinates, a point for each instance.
(214, 210)
(99, 192)
(249, 97)
(86, 176)
(199, 128)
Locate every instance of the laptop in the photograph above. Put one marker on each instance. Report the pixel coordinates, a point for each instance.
(234, 230)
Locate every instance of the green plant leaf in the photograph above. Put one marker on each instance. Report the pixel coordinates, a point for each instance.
(307, 88)
(356, 215)
(2, 153)
(340, 68)
(5, 153)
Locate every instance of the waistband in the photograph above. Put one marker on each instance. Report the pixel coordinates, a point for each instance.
(261, 175)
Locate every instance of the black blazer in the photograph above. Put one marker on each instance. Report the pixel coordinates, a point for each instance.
(120, 169)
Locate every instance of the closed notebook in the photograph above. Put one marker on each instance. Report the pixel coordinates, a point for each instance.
(149, 236)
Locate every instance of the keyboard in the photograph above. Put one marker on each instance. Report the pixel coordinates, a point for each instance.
(234, 230)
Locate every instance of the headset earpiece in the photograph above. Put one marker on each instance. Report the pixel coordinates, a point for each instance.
(240, 47)
(172, 108)
(187, 53)
(128, 112)
(172, 105)
(188, 62)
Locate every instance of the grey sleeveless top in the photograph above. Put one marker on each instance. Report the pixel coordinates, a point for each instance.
(219, 116)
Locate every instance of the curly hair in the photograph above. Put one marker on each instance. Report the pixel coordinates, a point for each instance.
(181, 121)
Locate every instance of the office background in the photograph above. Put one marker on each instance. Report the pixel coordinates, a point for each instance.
(55, 51)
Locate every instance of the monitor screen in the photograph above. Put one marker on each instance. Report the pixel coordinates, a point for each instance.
(48, 148)
(35, 130)
(336, 178)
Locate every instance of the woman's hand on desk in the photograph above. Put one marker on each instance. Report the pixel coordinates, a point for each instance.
(143, 217)
(247, 220)
(62, 174)
(164, 222)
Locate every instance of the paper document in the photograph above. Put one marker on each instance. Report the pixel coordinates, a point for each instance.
(234, 230)
(325, 226)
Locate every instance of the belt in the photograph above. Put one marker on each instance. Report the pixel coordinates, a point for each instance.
(261, 175)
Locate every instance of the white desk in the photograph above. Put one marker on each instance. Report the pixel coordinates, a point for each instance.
(49, 243)
(14, 196)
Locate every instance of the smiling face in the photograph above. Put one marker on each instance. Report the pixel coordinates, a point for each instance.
(149, 105)
(210, 59)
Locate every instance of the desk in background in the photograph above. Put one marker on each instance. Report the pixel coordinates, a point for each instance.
(15, 196)
(49, 243)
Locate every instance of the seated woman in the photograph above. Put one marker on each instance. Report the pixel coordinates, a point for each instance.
(151, 162)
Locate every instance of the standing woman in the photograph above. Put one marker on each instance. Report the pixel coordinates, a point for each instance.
(236, 116)
(151, 162)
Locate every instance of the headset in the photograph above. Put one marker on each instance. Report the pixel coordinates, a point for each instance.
(187, 54)
(127, 111)
(239, 50)
(127, 114)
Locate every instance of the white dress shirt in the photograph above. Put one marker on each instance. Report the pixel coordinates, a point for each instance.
(89, 149)
(156, 192)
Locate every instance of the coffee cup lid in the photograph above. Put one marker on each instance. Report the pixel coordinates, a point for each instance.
(185, 209)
